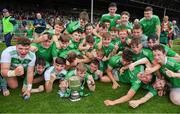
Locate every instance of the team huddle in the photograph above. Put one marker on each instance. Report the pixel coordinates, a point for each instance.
(115, 51)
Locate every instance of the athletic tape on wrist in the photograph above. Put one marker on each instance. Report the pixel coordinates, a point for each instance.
(29, 86)
(11, 73)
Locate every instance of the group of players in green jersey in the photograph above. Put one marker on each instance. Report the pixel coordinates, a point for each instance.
(115, 51)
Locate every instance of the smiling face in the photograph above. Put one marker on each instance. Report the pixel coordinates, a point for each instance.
(124, 19)
(137, 33)
(46, 44)
(59, 67)
(58, 29)
(159, 84)
(89, 30)
(106, 41)
(148, 14)
(112, 10)
(114, 34)
(83, 22)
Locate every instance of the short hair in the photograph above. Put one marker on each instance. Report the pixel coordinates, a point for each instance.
(88, 24)
(100, 52)
(49, 35)
(114, 29)
(158, 47)
(84, 16)
(112, 4)
(71, 56)
(135, 42)
(153, 37)
(90, 39)
(125, 13)
(60, 60)
(81, 67)
(102, 25)
(95, 61)
(64, 38)
(123, 30)
(24, 41)
(60, 23)
(40, 61)
(127, 54)
(106, 35)
(148, 9)
(137, 26)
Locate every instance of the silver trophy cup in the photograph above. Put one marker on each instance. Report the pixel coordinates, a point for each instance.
(74, 85)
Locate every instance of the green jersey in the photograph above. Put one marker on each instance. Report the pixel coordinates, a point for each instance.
(131, 77)
(127, 27)
(47, 53)
(169, 51)
(115, 62)
(122, 45)
(107, 50)
(174, 66)
(144, 53)
(115, 41)
(112, 19)
(72, 26)
(94, 75)
(73, 44)
(29, 33)
(149, 25)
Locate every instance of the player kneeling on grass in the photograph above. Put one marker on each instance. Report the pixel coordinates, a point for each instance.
(130, 77)
(40, 67)
(57, 71)
(85, 77)
(94, 69)
(18, 61)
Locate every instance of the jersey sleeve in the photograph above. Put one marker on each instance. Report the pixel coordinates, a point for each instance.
(5, 57)
(114, 61)
(157, 21)
(32, 63)
(47, 74)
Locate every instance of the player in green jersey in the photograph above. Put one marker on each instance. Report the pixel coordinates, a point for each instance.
(153, 40)
(111, 16)
(150, 23)
(170, 69)
(127, 77)
(45, 49)
(125, 24)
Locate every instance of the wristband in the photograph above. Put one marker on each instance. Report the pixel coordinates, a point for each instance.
(11, 73)
(29, 87)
